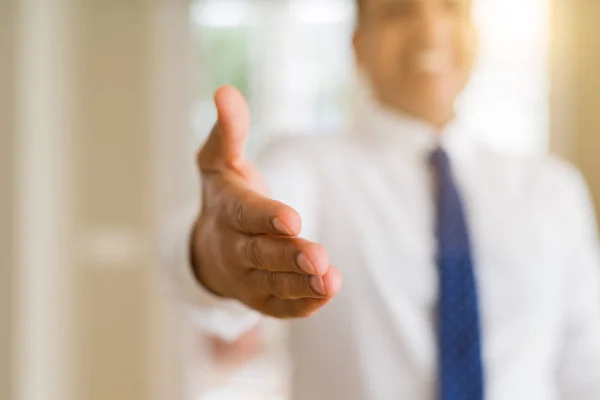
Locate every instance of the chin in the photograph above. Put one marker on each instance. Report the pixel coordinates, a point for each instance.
(437, 90)
(439, 98)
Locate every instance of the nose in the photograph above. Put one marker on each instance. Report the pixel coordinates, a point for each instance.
(433, 27)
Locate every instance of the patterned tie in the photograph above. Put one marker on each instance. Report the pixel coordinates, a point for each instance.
(460, 364)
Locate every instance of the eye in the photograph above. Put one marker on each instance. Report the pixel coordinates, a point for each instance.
(398, 9)
(455, 5)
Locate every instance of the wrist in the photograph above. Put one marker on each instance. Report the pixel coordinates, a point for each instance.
(202, 271)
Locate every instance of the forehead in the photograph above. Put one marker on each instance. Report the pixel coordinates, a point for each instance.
(365, 8)
(362, 3)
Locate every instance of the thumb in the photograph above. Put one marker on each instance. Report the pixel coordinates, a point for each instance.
(225, 145)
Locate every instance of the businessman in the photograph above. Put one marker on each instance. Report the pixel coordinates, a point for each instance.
(467, 275)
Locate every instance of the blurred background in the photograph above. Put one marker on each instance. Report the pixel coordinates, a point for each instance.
(102, 107)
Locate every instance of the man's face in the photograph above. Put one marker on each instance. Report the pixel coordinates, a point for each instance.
(417, 54)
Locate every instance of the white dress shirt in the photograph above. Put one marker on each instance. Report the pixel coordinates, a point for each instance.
(367, 197)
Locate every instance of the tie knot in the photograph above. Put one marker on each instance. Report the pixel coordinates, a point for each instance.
(439, 159)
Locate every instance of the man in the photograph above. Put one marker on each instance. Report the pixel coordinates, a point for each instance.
(467, 275)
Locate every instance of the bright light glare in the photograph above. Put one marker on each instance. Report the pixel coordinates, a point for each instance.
(223, 13)
(320, 11)
(507, 100)
(511, 26)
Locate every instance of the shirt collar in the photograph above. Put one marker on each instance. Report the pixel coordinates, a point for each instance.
(396, 130)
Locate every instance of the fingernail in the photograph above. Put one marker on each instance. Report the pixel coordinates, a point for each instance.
(280, 226)
(316, 282)
(305, 264)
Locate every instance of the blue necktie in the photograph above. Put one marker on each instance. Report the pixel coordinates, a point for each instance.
(460, 364)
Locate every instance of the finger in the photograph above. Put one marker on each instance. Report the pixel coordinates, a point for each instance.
(233, 119)
(301, 308)
(283, 254)
(252, 213)
(332, 281)
(225, 144)
(286, 285)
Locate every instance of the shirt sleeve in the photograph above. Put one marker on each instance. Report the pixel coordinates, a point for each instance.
(289, 180)
(580, 366)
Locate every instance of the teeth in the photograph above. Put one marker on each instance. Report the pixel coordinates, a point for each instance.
(433, 61)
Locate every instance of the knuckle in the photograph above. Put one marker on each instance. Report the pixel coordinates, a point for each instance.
(223, 198)
(252, 252)
(272, 284)
(219, 207)
(282, 286)
(240, 210)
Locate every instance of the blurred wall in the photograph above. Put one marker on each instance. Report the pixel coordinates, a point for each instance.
(576, 87)
(42, 241)
(131, 112)
(6, 193)
(101, 109)
(111, 153)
